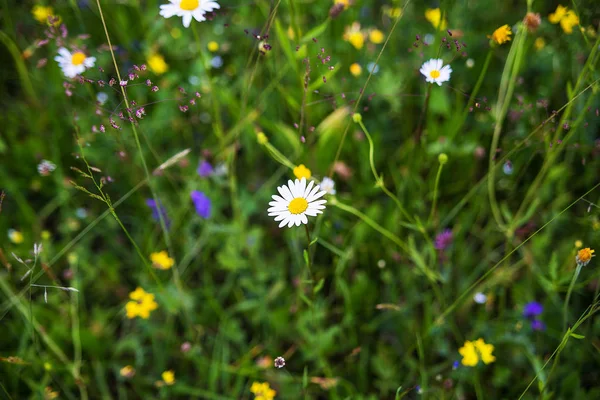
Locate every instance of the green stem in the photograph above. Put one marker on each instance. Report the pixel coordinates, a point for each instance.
(571, 286)
(435, 191)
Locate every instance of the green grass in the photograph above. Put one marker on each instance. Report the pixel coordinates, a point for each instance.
(361, 304)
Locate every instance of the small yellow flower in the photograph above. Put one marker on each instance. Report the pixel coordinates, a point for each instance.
(141, 305)
(261, 138)
(501, 35)
(376, 36)
(355, 69)
(354, 36)
(567, 19)
(15, 236)
(161, 260)
(584, 256)
(290, 33)
(47, 366)
(392, 12)
(302, 172)
(346, 3)
(213, 46)
(168, 377)
(50, 394)
(435, 17)
(472, 352)
(262, 391)
(127, 371)
(578, 244)
(42, 13)
(157, 64)
(539, 43)
(557, 15)
(46, 235)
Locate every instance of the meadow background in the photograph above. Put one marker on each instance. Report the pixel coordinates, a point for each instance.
(461, 211)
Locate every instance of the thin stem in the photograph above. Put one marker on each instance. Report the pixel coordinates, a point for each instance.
(423, 114)
(571, 286)
(435, 191)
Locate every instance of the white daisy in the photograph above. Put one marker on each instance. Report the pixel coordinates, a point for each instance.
(188, 9)
(435, 71)
(328, 185)
(297, 201)
(73, 64)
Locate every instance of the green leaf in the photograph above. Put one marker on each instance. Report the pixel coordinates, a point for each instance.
(306, 299)
(305, 257)
(315, 32)
(576, 336)
(319, 286)
(305, 378)
(313, 241)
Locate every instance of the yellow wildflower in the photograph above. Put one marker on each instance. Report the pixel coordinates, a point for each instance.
(346, 3)
(355, 69)
(157, 64)
(302, 172)
(539, 43)
(15, 236)
(141, 305)
(168, 377)
(392, 12)
(213, 46)
(50, 394)
(435, 17)
(584, 256)
(578, 244)
(501, 35)
(472, 352)
(42, 13)
(376, 36)
(46, 235)
(354, 35)
(567, 19)
(127, 371)
(262, 391)
(161, 260)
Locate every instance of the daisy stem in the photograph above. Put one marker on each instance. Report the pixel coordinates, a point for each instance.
(571, 286)
(308, 253)
(423, 114)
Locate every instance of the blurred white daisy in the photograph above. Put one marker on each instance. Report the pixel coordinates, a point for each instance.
(297, 201)
(188, 9)
(328, 185)
(46, 167)
(435, 71)
(73, 64)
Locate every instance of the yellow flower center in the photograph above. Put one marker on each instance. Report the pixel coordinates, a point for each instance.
(77, 58)
(434, 74)
(188, 5)
(298, 205)
(585, 255)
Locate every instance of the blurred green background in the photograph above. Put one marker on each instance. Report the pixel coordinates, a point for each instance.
(415, 254)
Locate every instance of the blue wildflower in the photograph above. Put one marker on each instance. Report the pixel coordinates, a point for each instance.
(204, 169)
(532, 309)
(538, 325)
(443, 239)
(156, 210)
(202, 203)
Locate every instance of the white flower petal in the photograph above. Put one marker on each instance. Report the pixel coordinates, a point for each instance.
(285, 192)
(316, 196)
(187, 19)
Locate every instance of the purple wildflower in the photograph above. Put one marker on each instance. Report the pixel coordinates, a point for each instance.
(204, 169)
(156, 210)
(443, 239)
(202, 203)
(532, 309)
(538, 325)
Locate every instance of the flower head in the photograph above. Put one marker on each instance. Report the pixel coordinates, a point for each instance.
(532, 21)
(158, 211)
(538, 325)
(42, 14)
(157, 64)
(302, 172)
(73, 64)
(376, 36)
(127, 371)
(328, 185)
(188, 9)
(443, 239)
(354, 36)
(161, 260)
(262, 391)
(532, 309)
(501, 35)
(141, 304)
(567, 19)
(49, 393)
(297, 201)
(46, 167)
(212, 46)
(435, 17)
(15, 236)
(584, 256)
(201, 203)
(355, 69)
(205, 169)
(435, 71)
(279, 362)
(472, 352)
(168, 377)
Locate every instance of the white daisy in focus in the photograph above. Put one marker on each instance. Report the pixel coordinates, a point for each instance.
(188, 9)
(297, 201)
(328, 185)
(435, 71)
(73, 64)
